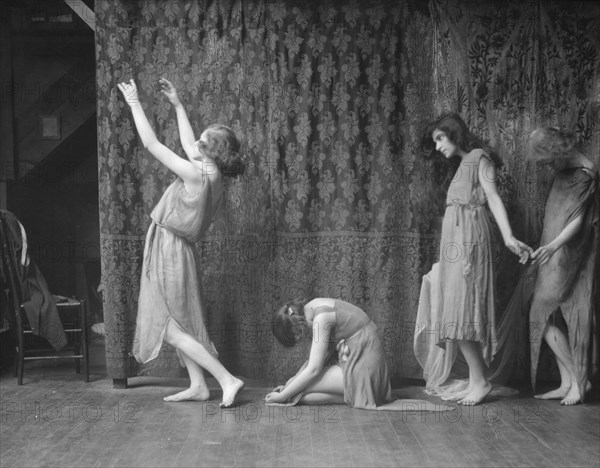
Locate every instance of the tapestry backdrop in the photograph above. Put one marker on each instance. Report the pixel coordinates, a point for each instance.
(329, 99)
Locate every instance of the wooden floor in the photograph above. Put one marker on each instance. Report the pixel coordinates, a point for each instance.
(55, 419)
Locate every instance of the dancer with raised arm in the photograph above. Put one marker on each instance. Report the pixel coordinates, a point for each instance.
(170, 304)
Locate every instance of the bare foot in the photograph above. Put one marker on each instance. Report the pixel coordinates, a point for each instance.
(477, 395)
(191, 394)
(230, 391)
(555, 394)
(573, 397)
(458, 395)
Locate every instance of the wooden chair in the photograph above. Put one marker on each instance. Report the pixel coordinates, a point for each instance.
(73, 315)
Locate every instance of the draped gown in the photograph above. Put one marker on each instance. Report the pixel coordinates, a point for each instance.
(568, 282)
(362, 360)
(170, 287)
(458, 296)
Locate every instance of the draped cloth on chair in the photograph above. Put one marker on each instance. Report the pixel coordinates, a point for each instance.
(23, 284)
(328, 98)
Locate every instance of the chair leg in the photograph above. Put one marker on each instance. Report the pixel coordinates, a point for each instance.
(16, 362)
(20, 358)
(76, 339)
(20, 347)
(80, 347)
(77, 363)
(20, 375)
(84, 340)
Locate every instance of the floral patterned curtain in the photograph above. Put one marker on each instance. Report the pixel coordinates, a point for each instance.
(328, 98)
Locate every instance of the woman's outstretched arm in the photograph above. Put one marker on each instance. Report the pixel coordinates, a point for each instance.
(322, 327)
(545, 252)
(186, 133)
(487, 179)
(183, 168)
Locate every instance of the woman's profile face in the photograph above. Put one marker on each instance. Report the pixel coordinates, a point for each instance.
(443, 144)
(204, 136)
(202, 142)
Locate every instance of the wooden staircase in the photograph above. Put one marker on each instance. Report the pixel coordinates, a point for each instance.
(72, 98)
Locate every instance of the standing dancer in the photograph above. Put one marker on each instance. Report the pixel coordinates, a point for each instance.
(567, 277)
(170, 303)
(464, 311)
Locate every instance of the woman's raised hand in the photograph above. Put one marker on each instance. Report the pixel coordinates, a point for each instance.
(169, 91)
(129, 91)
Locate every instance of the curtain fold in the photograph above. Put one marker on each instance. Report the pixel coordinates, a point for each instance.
(328, 98)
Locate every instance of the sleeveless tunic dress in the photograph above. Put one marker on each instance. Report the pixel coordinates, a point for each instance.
(364, 367)
(458, 296)
(170, 287)
(466, 273)
(363, 363)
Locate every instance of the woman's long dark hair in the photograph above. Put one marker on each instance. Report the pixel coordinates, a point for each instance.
(458, 132)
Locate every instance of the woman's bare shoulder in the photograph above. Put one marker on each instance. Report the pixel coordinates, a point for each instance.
(318, 306)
